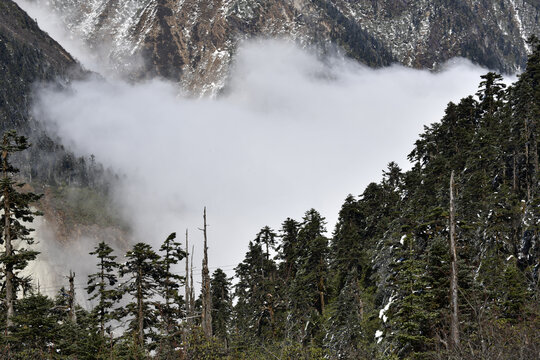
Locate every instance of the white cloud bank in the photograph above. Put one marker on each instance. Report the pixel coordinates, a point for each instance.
(292, 133)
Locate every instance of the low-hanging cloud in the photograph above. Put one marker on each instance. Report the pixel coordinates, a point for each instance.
(293, 132)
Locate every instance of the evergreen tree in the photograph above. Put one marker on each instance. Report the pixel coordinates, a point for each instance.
(266, 237)
(308, 293)
(16, 212)
(170, 310)
(222, 303)
(34, 330)
(142, 273)
(255, 289)
(171, 282)
(102, 286)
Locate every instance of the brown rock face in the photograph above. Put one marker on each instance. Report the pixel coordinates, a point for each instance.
(192, 41)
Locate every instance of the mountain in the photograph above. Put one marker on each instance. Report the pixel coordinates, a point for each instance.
(193, 41)
(27, 55)
(75, 202)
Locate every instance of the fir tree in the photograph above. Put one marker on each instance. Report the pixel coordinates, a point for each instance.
(16, 212)
(102, 286)
(170, 310)
(142, 273)
(222, 303)
(308, 293)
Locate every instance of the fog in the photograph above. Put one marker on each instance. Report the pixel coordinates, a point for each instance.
(293, 132)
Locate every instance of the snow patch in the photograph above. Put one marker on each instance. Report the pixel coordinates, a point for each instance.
(378, 336)
(382, 312)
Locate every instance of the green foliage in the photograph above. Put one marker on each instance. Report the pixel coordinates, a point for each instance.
(141, 274)
(220, 287)
(101, 286)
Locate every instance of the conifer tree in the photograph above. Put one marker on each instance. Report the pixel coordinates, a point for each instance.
(255, 289)
(142, 273)
(222, 303)
(171, 310)
(267, 237)
(287, 249)
(101, 286)
(171, 282)
(16, 212)
(309, 291)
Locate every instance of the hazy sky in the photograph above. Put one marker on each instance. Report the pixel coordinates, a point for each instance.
(293, 133)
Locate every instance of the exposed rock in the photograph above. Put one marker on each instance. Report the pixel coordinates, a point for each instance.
(192, 41)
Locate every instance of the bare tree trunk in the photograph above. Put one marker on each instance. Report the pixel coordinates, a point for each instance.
(206, 295)
(140, 312)
(191, 289)
(72, 313)
(514, 173)
(454, 321)
(10, 296)
(527, 161)
(187, 301)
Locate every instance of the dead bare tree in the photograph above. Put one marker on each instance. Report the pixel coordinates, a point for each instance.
(206, 315)
(454, 321)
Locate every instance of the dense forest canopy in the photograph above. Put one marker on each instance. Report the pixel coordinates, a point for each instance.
(377, 287)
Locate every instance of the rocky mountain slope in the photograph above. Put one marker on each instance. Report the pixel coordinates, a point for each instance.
(27, 55)
(192, 41)
(74, 204)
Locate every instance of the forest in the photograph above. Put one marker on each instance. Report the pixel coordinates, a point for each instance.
(438, 262)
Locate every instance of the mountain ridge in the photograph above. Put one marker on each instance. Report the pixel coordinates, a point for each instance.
(193, 41)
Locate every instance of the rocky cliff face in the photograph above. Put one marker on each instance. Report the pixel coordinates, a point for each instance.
(27, 55)
(192, 41)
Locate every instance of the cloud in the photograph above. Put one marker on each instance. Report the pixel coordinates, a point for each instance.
(293, 132)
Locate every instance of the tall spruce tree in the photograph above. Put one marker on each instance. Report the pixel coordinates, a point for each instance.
(171, 310)
(101, 286)
(255, 292)
(222, 303)
(142, 273)
(171, 282)
(309, 292)
(16, 212)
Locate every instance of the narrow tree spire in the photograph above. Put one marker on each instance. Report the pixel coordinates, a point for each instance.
(454, 322)
(191, 289)
(187, 300)
(206, 294)
(72, 313)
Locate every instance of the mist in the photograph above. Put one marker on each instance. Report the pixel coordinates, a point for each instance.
(293, 131)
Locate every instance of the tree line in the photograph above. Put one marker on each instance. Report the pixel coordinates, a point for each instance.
(437, 262)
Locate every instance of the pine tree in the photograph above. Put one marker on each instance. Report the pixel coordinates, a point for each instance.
(255, 290)
(266, 236)
(349, 329)
(222, 303)
(308, 293)
(16, 212)
(101, 285)
(142, 273)
(34, 329)
(172, 255)
(171, 310)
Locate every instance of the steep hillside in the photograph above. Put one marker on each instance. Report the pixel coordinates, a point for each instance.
(192, 41)
(27, 55)
(75, 202)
